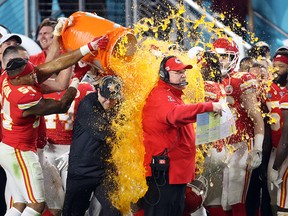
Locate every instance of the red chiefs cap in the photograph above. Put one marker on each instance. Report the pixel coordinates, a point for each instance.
(175, 64)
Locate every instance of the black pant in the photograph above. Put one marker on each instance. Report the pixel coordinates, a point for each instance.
(2, 191)
(78, 195)
(163, 198)
(258, 195)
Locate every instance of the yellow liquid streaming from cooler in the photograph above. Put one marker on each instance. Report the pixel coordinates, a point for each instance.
(139, 75)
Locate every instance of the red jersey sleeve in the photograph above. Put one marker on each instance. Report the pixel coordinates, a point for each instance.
(248, 83)
(284, 102)
(213, 91)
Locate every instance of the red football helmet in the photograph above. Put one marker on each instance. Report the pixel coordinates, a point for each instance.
(223, 46)
(196, 192)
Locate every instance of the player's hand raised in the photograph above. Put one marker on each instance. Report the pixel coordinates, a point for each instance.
(60, 24)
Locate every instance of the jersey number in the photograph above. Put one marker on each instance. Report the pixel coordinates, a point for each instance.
(64, 118)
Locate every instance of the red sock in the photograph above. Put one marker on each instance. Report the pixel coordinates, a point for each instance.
(228, 213)
(139, 213)
(239, 209)
(215, 211)
(47, 213)
(258, 212)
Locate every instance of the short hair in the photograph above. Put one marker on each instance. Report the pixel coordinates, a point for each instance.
(12, 50)
(257, 51)
(257, 64)
(48, 22)
(247, 58)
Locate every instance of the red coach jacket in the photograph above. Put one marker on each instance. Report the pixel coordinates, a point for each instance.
(167, 123)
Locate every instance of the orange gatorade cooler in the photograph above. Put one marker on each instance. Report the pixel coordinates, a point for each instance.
(86, 26)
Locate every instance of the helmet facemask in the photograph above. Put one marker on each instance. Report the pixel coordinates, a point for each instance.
(223, 46)
(230, 65)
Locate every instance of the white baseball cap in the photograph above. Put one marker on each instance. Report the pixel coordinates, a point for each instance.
(262, 44)
(10, 36)
(3, 31)
(195, 51)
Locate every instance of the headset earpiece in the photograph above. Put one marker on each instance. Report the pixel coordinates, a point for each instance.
(164, 75)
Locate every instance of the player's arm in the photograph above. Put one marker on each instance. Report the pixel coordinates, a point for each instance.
(282, 149)
(54, 48)
(68, 59)
(267, 142)
(251, 105)
(59, 83)
(50, 106)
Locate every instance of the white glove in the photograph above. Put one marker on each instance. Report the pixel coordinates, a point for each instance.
(217, 107)
(74, 83)
(274, 178)
(61, 22)
(254, 159)
(62, 161)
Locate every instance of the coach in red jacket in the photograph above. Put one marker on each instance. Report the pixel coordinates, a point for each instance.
(169, 140)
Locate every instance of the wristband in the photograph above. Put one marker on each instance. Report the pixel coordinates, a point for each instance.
(85, 50)
(258, 142)
(74, 83)
(90, 47)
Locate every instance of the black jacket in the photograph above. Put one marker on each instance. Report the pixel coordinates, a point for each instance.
(89, 150)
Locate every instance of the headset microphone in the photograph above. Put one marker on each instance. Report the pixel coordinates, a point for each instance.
(178, 84)
(183, 83)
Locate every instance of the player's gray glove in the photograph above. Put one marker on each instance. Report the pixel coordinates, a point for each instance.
(255, 159)
(60, 24)
(255, 155)
(274, 178)
(62, 161)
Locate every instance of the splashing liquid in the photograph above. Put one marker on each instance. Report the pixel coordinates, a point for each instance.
(139, 75)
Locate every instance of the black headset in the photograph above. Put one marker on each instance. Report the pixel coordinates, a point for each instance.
(164, 75)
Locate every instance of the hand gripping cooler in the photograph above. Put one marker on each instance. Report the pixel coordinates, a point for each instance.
(86, 26)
